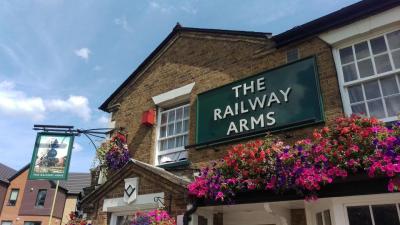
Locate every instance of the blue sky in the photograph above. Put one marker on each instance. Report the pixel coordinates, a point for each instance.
(59, 60)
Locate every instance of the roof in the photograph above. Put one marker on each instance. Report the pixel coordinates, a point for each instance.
(19, 172)
(342, 17)
(76, 182)
(113, 180)
(6, 172)
(178, 29)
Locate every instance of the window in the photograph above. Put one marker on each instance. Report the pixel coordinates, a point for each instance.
(6, 222)
(173, 135)
(13, 197)
(292, 55)
(386, 214)
(41, 198)
(370, 76)
(32, 223)
(324, 218)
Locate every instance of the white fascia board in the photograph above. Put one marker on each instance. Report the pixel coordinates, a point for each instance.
(362, 26)
(172, 95)
(142, 202)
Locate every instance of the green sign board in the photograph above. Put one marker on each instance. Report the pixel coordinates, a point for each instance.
(51, 156)
(282, 98)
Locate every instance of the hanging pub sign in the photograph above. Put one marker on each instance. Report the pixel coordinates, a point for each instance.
(278, 99)
(51, 156)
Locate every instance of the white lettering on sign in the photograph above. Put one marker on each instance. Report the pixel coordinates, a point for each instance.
(266, 100)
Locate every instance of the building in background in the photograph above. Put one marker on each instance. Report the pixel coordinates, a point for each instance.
(28, 202)
(5, 173)
(352, 53)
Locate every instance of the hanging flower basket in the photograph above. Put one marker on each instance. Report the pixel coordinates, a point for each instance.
(154, 217)
(351, 145)
(74, 220)
(113, 154)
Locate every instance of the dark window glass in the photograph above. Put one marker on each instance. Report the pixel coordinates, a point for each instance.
(41, 197)
(394, 39)
(350, 72)
(359, 215)
(327, 217)
(32, 223)
(346, 55)
(385, 214)
(6, 222)
(13, 197)
(362, 50)
(378, 45)
(319, 219)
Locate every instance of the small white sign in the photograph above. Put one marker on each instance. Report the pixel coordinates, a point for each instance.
(131, 189)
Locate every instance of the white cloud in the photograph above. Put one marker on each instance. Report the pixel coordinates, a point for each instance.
(77, 147)
(16, 103)
(123, 22)
(83, 53)
(78, 105)
(13, 102)
(103, 120)
(164, 7)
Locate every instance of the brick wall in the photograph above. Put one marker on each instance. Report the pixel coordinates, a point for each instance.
(210, 62)
(213, 62)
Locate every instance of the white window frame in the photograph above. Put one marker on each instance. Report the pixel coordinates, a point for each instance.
(158, 139)
(369, 204)
(343, 85)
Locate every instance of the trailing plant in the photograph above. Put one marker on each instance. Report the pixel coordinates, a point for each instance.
(350, 146)
(154, 217)
(75, 220)
(113, 154)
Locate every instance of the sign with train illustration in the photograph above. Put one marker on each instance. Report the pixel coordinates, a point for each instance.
(51, 156)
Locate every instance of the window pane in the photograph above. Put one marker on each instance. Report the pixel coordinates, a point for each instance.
(179, 113)
(393, 105)
(163, 118)
(389, 86)
(319, 219)
(327, 217)
(394, 39)
(365, 68)
(376, 109)
(41, 197)
(372, 90)
(385, 214)
(14, 195)
(359, 109)
(171, 116)
(349, 72)
(171, 143)
(163, 131)
(362, 50)
(178, 127)
(355, 93)
(346, 55)
(382, 63)
(378, 45)
(359, 215)
(396, 59)
(6, 223)
(186, 112)
(163, 145)
(179, 141)
(185, 125)
(171, 129)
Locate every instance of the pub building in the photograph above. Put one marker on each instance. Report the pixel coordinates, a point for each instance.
(201, 91)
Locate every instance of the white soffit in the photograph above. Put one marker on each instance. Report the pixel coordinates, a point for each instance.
(173, 95)
(142, 202)
(362, 26)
